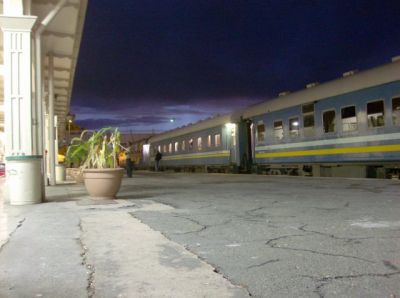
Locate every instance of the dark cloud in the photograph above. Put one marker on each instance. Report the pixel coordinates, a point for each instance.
(144, 56)
(122, 123)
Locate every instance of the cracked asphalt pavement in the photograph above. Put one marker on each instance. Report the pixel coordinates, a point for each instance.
(284, 236)
(206, 235)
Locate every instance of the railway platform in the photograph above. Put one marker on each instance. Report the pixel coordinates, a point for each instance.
(206, 235)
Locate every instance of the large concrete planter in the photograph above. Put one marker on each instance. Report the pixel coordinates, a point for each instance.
(103, 183)
(75, 174)
(24, 180)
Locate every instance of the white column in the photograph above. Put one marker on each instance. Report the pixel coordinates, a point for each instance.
(23, 165)
(56, 139)
(52, 137)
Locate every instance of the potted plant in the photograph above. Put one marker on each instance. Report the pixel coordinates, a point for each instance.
(97, 157)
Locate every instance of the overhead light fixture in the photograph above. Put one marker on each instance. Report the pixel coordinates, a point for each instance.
(230, 125)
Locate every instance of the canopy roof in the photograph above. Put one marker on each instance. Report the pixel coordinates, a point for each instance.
(61, 38)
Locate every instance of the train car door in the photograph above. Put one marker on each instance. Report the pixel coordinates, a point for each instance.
(231, 137)
(245, 145)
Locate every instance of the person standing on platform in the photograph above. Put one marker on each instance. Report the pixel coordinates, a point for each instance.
(157, 160)
(128, 160)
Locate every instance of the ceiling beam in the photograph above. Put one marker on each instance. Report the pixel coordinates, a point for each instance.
(54, 2)
(59, 34)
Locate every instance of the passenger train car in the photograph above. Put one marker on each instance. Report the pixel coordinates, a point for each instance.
(209, 145)
(348, 127)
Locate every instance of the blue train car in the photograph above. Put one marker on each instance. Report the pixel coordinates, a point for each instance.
(347, 127)
(206, 145)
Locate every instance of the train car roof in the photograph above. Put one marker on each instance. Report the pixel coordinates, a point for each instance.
(198, 126)
(368, 78)
(372, 77)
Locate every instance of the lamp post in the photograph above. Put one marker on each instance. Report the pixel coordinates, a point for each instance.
(70, 117)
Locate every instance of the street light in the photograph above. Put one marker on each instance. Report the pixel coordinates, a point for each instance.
(69, 117)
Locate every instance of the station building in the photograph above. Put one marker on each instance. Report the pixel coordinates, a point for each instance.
(40, 43)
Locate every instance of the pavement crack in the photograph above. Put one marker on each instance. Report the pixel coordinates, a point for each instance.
(255, 209)
(390, 265)
(346, 239)
(90, 269)
(128, 206)
(338, 277)
(263, 263)
(12, 233)
(321, 282)
(272, 244)
(202, 227)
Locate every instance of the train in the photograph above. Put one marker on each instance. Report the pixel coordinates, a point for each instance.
(347, 127)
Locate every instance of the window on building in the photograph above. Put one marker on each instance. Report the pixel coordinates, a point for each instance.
(349, 119)
(165, 148)
(260, 133)
(278, 129)
(375, 114)
(170, 148)
(159, 148)
(308, 119)
(294, 127)
(191, 144)
(199, 143)
(217, 139)
(396, 110)
(328, 119)
(176, 146)
(183, 145)
(209, 141)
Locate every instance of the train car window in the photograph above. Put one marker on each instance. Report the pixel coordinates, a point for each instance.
(199, 144)
(260, 133)
(170, 148)
(191, 144)
(294, 127)
(209, 141)
(349, 119)
(375, 114)
(165, 148)
(308, 108)
(176, 146)
(278, 129)
(183, 145)
(396, 110)
(159, 148)
(217, 139)
(308, 119)
(328, 119)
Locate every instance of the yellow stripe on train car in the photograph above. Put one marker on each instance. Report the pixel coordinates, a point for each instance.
(332, 151)
(196, 156)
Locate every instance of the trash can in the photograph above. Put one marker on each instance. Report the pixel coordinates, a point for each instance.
(24, 179)
(60, 173)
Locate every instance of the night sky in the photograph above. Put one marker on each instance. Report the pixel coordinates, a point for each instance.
(143, 62)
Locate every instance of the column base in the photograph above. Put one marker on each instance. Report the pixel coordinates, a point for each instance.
(24, 180)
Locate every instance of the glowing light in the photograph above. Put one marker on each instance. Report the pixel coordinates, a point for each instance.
(172, 120)
(295, 123)
(146, 149)
(230, 125)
